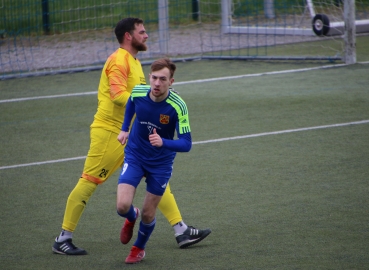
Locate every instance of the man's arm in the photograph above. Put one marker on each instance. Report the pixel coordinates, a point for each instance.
(183, 144)
(130, 111)
(118, 76)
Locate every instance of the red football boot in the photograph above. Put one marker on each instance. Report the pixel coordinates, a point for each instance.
(135, 255)
(127, 229)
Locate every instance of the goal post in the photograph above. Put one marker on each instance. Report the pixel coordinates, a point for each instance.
(350, 32)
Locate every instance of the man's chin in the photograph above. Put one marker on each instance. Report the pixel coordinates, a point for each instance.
(142, 48)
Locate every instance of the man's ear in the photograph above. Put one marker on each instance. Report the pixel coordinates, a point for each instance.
(127, 36)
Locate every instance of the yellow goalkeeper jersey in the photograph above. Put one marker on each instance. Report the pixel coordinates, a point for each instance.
(120, 74)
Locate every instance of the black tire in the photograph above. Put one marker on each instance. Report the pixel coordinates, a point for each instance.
(320, 25)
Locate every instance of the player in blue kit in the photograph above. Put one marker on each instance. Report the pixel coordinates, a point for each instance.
(151, 148)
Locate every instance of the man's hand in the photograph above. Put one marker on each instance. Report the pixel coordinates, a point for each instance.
(123, 137)
(155, 139)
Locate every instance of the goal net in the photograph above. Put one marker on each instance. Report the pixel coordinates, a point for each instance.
(56, 36)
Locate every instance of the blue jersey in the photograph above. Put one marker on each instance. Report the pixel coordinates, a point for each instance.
(166, 117)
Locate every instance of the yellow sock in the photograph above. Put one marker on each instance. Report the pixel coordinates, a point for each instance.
(169, 208)
(76, 203)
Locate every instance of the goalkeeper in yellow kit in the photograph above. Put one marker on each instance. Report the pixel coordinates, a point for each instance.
(121, 72)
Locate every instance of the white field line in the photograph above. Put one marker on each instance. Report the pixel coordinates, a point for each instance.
(41, 163)
(46, 97)
(186, 82)
(282, 132)
(208, 141)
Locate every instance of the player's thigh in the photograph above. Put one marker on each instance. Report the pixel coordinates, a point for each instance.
(105, 155)
(131, 172)
(125, 195)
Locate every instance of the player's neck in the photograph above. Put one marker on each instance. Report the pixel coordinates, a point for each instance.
(132, 51)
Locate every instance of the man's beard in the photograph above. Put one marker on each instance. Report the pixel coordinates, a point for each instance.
(138, 46)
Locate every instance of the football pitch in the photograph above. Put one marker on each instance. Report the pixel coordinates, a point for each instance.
(279, 170)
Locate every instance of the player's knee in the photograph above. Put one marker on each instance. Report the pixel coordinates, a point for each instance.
(147, 216)
(123, 208)
(82, 191)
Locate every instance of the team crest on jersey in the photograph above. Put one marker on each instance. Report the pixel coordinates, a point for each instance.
(164, 119)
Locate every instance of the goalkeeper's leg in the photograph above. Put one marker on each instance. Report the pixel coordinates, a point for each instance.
(76, 204)
(168, 206)
(185, 235)
(103, 159)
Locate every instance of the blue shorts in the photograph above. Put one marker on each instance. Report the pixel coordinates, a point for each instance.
(157, 176)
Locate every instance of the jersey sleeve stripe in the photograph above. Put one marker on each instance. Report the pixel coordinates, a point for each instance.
(185, 129)
(140, 91)
(173, 98)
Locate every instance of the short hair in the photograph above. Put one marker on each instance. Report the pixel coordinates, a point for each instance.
(126, 25)
(164, 63)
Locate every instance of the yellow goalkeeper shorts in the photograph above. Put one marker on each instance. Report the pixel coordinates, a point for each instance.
(104, 157)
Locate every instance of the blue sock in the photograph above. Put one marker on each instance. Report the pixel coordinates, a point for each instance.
(130, 215)
(144, 233)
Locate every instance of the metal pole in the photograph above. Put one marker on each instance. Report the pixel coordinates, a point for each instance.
(195, 10)
(269, 9)
(226, 16)
(45, 16)
(163, 11)
(350, 32)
